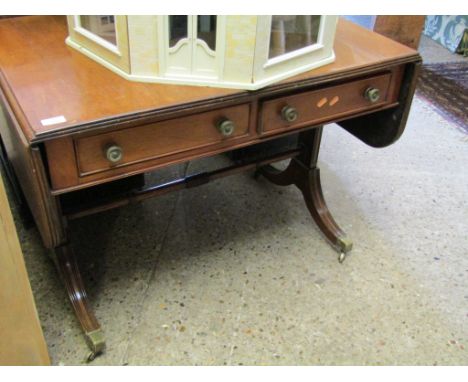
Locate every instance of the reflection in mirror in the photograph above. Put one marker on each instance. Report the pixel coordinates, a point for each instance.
(177, 29)
(101, 25)
(206, 30)
(289, 33)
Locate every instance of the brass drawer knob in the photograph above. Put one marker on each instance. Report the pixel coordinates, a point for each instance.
(226, 127)
(289, 113)
(372, 94)
(114, 153)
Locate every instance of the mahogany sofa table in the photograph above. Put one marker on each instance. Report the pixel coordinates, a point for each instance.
(77, 138)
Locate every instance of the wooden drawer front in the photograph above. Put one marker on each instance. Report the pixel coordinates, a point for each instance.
(321, 105)
(159, 139)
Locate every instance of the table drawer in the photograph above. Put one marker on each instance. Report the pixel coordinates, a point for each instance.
(318, 106)
(137, 144)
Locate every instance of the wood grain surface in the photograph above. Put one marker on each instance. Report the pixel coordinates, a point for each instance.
(22, 341)
(43, 78)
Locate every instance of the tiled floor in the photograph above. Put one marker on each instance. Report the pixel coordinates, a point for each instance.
(235, 272)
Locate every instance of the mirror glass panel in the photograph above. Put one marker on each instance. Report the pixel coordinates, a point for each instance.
(206, 30)
(289, 33)
(102, 26)
(178, 29)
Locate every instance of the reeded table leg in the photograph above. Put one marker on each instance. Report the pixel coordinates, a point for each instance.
(311, 189)
(304, 173)
(68, 268)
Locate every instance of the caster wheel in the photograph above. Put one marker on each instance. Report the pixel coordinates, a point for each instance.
(342, 257)
(91, 357)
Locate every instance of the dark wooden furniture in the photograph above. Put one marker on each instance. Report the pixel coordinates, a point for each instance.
(114, 130)
(404, 29)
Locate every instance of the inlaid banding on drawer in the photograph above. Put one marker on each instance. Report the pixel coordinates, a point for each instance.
(111, 150)
(331, 103)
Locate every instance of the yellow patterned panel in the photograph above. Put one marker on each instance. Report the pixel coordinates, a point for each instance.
(143, 36)
(240, 48)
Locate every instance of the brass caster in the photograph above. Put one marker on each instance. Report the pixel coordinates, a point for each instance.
(96, 342)
(91, 356)
(342, 257)
(344, 244)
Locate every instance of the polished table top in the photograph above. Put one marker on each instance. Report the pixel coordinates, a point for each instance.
(44, 78)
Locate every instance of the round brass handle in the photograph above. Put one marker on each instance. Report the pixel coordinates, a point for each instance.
(226, 127)
(289, 113)
(114, 153)
(372, 94)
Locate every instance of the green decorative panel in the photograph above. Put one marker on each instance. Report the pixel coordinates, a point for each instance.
(449, 31)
